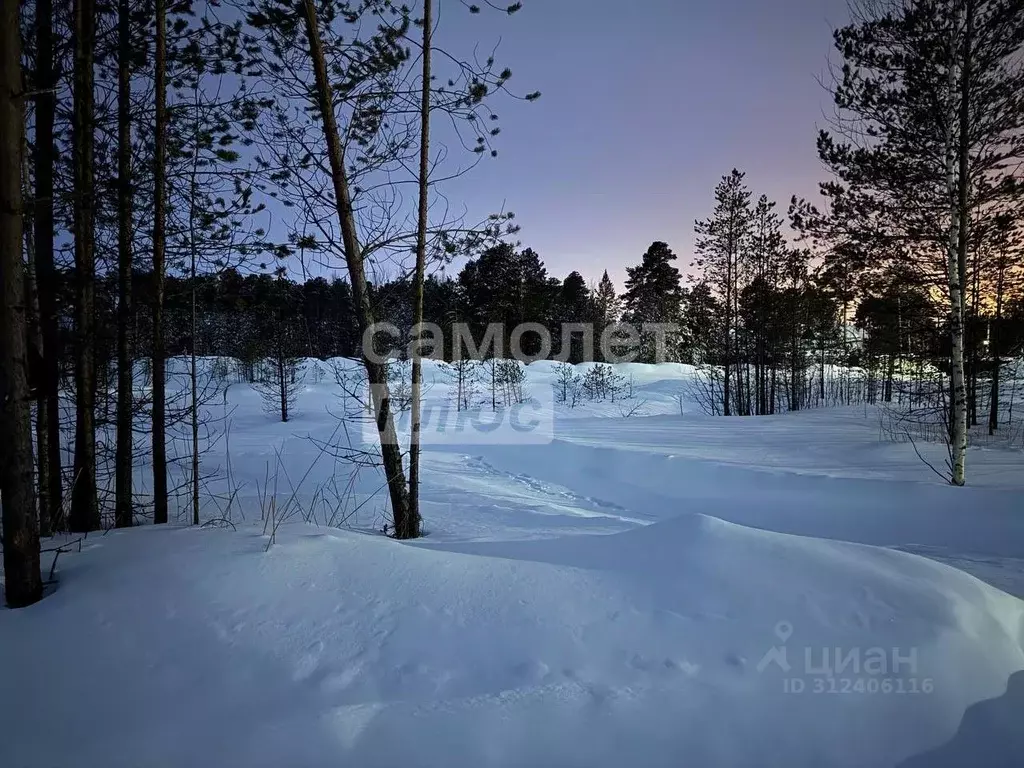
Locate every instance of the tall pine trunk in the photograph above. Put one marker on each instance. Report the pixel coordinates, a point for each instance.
(34, 335)
(193, 375)
(956, 266)
(794, 382)
(391, 451)
(890, 374)
(726, 385)
(821, 372)
(123, 458)
(22, 582)
(846, 353)
(749, 387)
(412, 528)
(51, 490)
(971, 332)
(159, 224)
(282, 383)
(994, 350)
(85, 512)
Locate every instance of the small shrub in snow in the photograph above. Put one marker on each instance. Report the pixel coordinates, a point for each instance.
(603, 383)
(510, 377)
(400, 384)
(317, 372)
(568, 385)
(279, 386)
(220, 370)
(463, 378)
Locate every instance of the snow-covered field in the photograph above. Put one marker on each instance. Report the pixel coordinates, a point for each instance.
(651, 589)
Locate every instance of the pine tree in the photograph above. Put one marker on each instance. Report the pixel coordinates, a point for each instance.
(463, 376)
(699, 319)
(759, 298)
(1002, 244)
(605, 310)
(280, 386)
(210, 205)
(574, 297)
(721, 244)
(836, 277)
(507, 288)
(534, 298)
(606, 304)
(572, 307)
(391, 453)
(350, 63)
(568, 384)
(654, 295)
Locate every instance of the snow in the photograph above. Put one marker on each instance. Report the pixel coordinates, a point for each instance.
(620, 595)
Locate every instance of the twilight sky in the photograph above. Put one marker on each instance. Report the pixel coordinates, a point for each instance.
(646, 104)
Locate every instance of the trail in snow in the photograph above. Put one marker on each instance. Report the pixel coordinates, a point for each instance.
(813, 474)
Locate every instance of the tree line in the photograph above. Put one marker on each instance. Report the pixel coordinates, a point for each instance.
(754, 319)
(152, 154)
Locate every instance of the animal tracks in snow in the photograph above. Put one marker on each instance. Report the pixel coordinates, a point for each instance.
(583, 506)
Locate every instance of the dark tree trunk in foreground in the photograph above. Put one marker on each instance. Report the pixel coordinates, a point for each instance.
(391, 451)
(23, 585)
(34, 347)
(159, 222)
(85, 512)
(192, 370)
(50, 489)
(413, 523)
(123, 459)
(957, 262)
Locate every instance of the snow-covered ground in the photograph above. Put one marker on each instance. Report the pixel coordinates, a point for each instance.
(654, 589)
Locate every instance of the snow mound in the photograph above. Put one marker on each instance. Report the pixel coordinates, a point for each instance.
(676, 643)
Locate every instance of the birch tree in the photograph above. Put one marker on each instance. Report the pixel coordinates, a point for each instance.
(928, 133)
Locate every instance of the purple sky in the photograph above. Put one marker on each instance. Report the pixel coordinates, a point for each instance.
(645, 105)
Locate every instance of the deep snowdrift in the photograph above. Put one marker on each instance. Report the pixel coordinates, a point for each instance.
(512, 636)
(654, 647)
